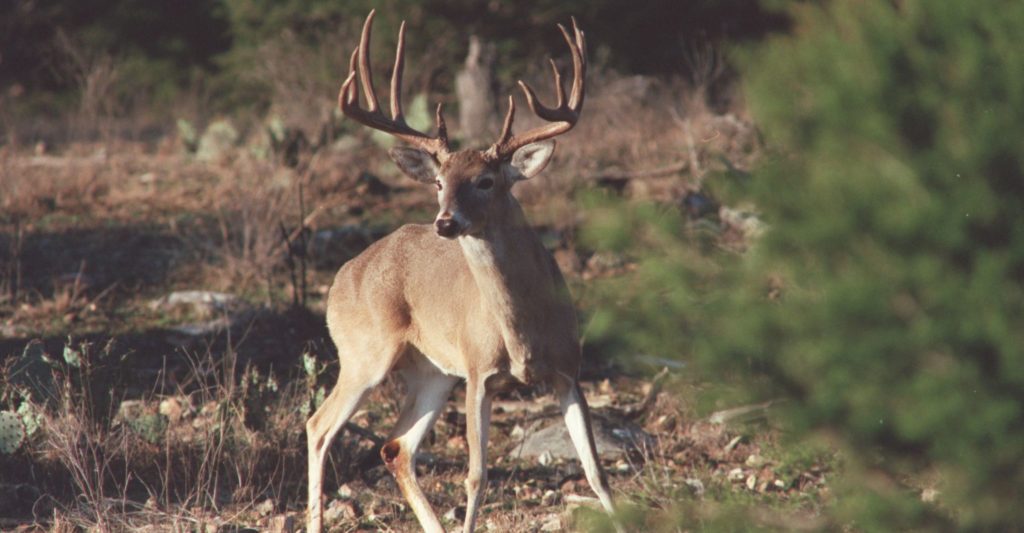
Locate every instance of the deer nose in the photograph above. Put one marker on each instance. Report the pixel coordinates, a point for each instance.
(447, 227)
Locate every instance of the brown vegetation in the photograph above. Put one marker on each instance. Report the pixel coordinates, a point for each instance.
(160, 427)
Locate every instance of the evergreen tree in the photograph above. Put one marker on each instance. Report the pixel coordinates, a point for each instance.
(886, 299)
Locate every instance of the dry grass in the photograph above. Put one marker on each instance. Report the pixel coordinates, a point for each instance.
(89, 236)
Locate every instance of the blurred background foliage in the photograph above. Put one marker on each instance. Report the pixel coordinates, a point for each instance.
(885, 301)
(174, 49)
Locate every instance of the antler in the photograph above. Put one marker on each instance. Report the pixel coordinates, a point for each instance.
(563, 117)
(348, 98)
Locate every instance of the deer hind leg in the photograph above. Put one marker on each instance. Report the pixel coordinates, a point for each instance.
(478, 422)
(577, 418)
(427, 392)
(348, 393)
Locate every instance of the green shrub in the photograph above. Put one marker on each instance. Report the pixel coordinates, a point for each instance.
(886, 299)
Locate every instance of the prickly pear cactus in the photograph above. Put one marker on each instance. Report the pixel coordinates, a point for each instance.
(33, 372)
(150, 426)
(12, 432)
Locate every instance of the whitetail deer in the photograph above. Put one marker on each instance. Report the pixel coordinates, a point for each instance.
(476, 297)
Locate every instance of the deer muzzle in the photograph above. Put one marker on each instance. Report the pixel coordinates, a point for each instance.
(448, 227)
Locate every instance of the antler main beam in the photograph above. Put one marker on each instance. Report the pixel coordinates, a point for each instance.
(562, 117)
(348, 97)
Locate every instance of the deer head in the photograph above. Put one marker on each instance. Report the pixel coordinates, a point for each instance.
(471, 184)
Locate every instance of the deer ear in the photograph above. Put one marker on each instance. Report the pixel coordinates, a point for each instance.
(532, 158)
(416, 163)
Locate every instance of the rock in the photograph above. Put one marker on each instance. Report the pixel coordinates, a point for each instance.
(551, 522)
(455, 514)
(265, 507)
(696, 485)
(217, 141)
(612, 442)
(575, 501)
(546, 458)
(345, 491)
(202, 303)
(174, 407)
(746, 223)
(281, 524)
(188, 136)
(339, 510)
(198, 329)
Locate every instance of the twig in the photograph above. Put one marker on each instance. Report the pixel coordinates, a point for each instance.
(746, 412)
(638, 409)
(618, 180)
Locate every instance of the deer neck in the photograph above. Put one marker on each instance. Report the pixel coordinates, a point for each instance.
(512, 271)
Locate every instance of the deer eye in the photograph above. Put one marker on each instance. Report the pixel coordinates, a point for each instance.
(484, 184)
(438, 183)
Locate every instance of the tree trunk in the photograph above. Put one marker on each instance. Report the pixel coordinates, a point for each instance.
(474, 86)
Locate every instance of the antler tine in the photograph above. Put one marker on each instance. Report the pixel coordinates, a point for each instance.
(351, 93)
(396, 76)
(365, 74)
(506, 128)
(579, 63)
(558, 83)
(348, 97)
(562, 117)
(442, 128)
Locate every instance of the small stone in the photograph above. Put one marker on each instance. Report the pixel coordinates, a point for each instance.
(265, 507)
(751, 481)
(171, 408)
(696, 485)
(551, 522)
(345, 491)
(517, 433)
(622, 467)
(281, 524)
(736, 474)
(574, 501)
(545, 458)
(754, 461)
(339, 510)
(455, 514)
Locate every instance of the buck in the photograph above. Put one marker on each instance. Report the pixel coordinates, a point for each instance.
(475, 296)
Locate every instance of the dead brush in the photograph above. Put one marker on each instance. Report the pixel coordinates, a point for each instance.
(76, 435)
(299, 77)
(253, 197)
(96, 75)
(118, 465)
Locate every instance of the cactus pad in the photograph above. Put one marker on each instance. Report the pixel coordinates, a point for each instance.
(12, 432)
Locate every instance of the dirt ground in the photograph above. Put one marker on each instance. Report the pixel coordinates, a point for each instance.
(162, 416)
